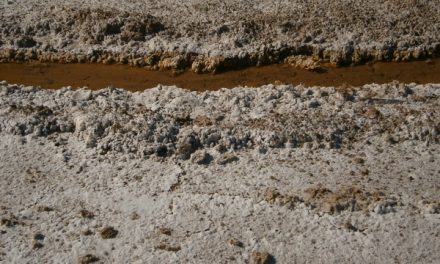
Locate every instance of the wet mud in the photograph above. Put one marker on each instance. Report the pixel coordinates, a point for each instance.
(97, 76)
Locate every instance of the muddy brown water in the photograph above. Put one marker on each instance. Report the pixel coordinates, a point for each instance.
(97, 76)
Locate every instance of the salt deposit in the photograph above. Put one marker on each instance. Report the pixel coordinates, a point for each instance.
(270, 174)
(291, 173)
(208, 36)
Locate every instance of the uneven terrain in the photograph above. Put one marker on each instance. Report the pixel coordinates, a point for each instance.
(284, 174)
(309, 169)
(212, 36)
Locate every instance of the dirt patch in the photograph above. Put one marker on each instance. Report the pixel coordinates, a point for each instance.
(87, 214)
(261, 258)
(97, 76)
(87, 259)
(346, 198)
(108, 232)
(167, 247)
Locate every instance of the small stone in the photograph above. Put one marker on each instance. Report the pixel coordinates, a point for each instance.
(236, 242)
(87, 259)
(7, 222)
(108, 232)
(167, 247)
(349, 226)
(87, 214)
(270, 195)
(87, 232)
(314, 104)
(359, 160)
(37, 245)
(44, 209)
(134, 216)
(165, 231)
(39, 236)
(261, 258)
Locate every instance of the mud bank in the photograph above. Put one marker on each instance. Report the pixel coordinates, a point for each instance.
(278, 173)
(97, 76)
(216, 36)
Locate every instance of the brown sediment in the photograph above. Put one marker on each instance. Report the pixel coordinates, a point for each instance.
(97, 76)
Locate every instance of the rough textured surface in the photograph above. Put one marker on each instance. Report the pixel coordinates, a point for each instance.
(278, 174)
(217, 35)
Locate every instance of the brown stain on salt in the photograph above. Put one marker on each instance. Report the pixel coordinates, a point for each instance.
(97, 76)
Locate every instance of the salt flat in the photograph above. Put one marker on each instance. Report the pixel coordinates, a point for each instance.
(266, 174)
(318, 174)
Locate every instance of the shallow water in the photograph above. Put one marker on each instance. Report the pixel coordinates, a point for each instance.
(96, 76)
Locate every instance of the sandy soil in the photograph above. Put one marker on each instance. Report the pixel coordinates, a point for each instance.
(276, 174)
(218, 35)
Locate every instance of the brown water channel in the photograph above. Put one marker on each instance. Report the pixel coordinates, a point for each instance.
(97, 76)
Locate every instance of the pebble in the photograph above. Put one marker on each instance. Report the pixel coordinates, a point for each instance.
(108, 232)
